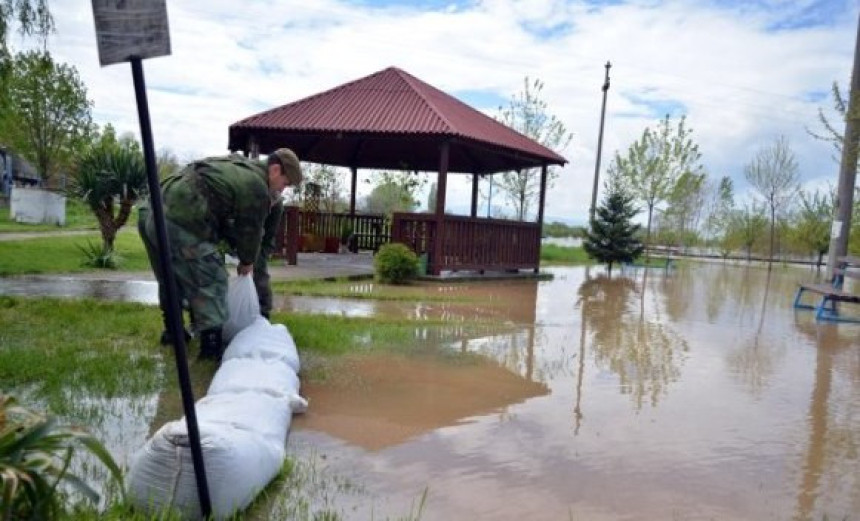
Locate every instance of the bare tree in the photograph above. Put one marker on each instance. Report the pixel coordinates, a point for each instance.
(773, 172)
(528, 114)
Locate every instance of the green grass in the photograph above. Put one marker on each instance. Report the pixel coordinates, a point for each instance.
(62, 354)
(365, 289)
(62, 254)
(78, 217)
(563, 255)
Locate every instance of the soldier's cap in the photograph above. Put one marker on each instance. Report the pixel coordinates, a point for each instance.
(290, 165)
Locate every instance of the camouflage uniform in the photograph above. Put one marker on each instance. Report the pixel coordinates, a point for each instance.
(261, 265)
(209, 201)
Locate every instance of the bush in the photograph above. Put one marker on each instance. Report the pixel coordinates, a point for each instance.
(395, 263)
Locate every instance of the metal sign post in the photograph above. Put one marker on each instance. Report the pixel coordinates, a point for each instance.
(131, 30)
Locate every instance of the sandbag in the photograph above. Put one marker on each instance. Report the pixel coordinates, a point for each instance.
(264, 340)
(264, 414)
(239, 375)
(243, 306)
(239, 463)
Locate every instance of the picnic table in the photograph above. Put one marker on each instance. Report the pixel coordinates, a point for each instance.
(834, 293)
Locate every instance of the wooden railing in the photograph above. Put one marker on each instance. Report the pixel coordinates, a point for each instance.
(370, 230)
(470, 243)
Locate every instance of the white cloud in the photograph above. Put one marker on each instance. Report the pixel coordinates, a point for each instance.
(742, 74)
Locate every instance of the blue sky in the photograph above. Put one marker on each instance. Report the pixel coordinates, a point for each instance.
(743, 72)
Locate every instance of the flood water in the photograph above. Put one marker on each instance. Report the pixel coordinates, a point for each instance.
(695, 393)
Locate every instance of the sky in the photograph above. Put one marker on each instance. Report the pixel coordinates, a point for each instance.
(743, 72)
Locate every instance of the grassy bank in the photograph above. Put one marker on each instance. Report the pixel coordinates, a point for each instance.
(552, 254)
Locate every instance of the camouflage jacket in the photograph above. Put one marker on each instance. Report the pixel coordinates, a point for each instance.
(222, 198)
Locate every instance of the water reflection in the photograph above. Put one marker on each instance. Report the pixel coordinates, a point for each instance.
(644, 351)
(145, 292)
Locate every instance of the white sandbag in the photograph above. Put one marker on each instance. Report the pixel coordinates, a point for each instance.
(239, 375)
(238, 465)
(264, 340)
(264, 414)
(243, 306)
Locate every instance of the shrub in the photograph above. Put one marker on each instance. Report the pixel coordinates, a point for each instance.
(395, 263)
(35, 453)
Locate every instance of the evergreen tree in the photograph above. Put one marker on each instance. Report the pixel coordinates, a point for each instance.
(612, 237)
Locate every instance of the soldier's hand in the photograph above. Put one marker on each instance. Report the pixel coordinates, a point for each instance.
(244, 269)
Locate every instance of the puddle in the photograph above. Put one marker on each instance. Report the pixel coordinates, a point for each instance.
(698, 393)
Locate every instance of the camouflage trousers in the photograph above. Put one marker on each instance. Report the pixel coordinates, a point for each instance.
(198, 267)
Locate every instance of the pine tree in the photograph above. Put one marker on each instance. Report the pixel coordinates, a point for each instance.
(612, 237)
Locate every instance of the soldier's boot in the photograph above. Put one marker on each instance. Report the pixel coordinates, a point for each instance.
(211, 344)
(167, 338)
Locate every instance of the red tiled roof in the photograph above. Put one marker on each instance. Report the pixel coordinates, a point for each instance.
(390, 119)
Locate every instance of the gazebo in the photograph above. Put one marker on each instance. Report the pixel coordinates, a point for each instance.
(393, 120)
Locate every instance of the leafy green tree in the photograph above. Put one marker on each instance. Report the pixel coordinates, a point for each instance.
(651, 167)
(330, 182)
(394, 192)
(46, 114)
(773, 172)
(831, 133)
(686, 200)
(110, 177)
(32, 17)
(746, 226)
(528, 114)
(811, 229)
(720, 205)
(612, 236)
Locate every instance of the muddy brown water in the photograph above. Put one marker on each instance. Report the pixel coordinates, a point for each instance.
(698, 393)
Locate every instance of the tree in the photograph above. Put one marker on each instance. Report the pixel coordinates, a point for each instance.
(773, 173)
(110, 177)
(831, 134)
(331, 187)
(394, 192)
(746, 227)
(686, 200)
(811, 229)
(528, 114)
(652, 165)
(46, 116)
(720, 205)
(32, 16)
(612, 237)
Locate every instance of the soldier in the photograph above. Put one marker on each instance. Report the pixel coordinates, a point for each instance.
(232, 200)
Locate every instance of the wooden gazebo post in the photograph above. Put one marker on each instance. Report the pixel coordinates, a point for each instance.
(354, 171)
(543, 173)
(474, 195)
(441, 182)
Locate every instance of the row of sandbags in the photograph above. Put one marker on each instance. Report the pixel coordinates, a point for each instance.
(243, 422)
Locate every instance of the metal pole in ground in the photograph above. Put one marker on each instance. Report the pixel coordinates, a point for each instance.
(847, 169)
(174, 312)
(132, 31)
(605, 88)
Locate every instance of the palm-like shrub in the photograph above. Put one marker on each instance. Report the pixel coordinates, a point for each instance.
(35, 454)
(110, 177)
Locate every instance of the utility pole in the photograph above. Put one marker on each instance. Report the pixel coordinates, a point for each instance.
(847, 170)
(599, 145)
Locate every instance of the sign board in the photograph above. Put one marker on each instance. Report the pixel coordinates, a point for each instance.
(128, 29)
(836, 229)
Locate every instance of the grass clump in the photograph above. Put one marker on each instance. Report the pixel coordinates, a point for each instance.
(395, 263)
